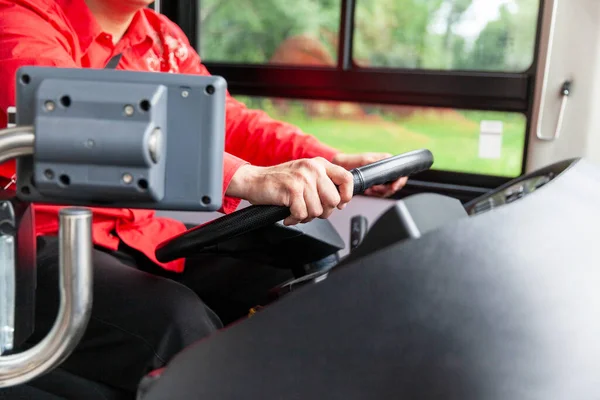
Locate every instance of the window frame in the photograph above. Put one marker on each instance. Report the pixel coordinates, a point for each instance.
(468, 90)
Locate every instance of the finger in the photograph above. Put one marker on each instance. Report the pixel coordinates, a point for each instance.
(399, 184)
(298, 210)
(391, 188)
(370, 192)
(313, 203)
(381, 156)
(370, 158)
(387, 189)
(374, 192)
(329, 195)
(344, 181)
(289, 221)
(380, 191)
(327, 213)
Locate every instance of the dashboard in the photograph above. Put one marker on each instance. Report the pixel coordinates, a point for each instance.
(517, 188)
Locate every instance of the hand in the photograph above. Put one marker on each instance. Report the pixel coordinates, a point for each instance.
(306, 186)
(351, 161)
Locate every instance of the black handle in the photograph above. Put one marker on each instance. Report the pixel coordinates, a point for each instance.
(390, 169)
(256, 217)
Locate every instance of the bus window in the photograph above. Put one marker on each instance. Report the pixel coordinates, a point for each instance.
(269, 31)
(453, 136)
(479, 35)
(447, 51)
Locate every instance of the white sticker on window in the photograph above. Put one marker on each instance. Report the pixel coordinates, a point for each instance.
(11, 114)
(490, 139)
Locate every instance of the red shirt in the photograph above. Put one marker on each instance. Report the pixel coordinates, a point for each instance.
(64, 33)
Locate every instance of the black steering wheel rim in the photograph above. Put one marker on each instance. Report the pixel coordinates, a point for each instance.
(201, 238)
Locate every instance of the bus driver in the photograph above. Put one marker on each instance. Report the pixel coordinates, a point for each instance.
(139, 320)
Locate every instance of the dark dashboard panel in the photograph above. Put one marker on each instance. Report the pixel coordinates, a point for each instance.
(517, 188)
(462, 193)
(502, 305)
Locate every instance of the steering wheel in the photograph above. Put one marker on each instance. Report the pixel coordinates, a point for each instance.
(251, 218)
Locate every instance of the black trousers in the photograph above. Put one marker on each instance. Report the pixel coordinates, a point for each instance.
(141, 315)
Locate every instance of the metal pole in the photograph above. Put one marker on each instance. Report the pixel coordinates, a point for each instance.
(76, 279)
(16, 142)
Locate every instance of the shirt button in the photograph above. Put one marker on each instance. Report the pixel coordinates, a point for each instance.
(107, 37)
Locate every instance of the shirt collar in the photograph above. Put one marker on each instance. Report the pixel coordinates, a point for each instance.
(140, 28)
(88, 30)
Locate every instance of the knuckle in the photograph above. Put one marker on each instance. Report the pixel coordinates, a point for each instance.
(312, 165)
(295, 188)
(291, 199)
(337, 198)
(315, 212)
(333, 200)
(307, 163)
(301, 215)
(301, 175)
(284, 199)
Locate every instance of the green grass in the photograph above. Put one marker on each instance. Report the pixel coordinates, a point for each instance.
(455, 145)
(452, 136)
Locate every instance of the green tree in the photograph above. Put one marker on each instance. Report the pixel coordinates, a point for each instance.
(507, 43)
(393, 34)
(457, 9)
(460, 55)
(523, 27)
(251, 30)
(489, 51)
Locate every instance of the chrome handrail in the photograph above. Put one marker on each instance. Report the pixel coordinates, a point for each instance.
(76, 279)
